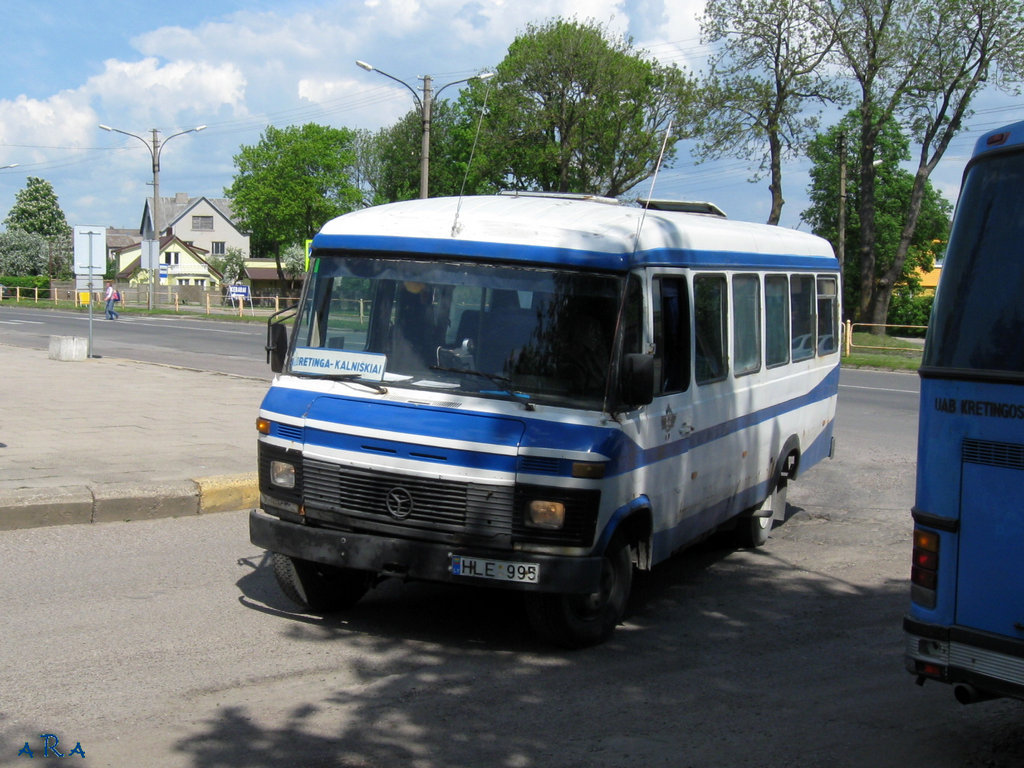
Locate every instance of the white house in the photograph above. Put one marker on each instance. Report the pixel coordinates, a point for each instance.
(202, 222)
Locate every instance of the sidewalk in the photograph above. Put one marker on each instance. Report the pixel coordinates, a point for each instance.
(108, 439)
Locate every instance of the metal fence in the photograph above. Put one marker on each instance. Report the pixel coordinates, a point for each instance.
(902, 344)
(175, 298)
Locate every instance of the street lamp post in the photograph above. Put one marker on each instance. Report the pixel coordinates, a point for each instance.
(424, 105)
(155, 148)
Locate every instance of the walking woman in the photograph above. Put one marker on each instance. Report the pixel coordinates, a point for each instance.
(111, 296)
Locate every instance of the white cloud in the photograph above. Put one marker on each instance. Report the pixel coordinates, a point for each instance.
(146, 91)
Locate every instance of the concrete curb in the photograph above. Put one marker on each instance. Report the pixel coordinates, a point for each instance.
(71, 505)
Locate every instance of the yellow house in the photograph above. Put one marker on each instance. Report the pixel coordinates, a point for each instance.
(930, 280)
(181, 264)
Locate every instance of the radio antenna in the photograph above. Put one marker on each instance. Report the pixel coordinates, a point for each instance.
(654, 178)
(472, 153)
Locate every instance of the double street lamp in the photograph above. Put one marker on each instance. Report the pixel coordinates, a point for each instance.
(424, 105)
(155, 147)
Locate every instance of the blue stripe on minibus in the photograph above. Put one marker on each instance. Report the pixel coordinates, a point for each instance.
(427, 422)
(550, 256)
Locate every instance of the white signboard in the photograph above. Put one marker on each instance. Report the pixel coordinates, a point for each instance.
(334, 362)
(149, 255)
(90, 251)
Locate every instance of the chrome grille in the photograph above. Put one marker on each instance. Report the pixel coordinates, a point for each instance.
(440, 508)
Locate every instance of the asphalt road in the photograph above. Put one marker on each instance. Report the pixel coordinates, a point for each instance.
(167, 643)
(227, 346)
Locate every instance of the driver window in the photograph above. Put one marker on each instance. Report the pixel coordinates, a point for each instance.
(671, 334)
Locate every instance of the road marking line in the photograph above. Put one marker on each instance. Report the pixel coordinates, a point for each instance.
(880, 389)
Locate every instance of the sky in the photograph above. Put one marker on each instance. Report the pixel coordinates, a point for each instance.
(238, 67)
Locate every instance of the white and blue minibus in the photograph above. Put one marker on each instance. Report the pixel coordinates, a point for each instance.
(965, 625)
(540, 393)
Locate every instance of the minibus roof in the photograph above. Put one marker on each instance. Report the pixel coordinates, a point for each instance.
(589, 233)
(1001, 138)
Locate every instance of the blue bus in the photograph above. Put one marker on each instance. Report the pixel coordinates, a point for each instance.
(540, 393)
(965, 626)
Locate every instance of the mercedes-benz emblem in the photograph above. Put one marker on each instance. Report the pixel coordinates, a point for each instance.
(399, 503)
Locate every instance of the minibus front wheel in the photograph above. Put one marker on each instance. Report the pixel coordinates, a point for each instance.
(579, 621)
(317, 587)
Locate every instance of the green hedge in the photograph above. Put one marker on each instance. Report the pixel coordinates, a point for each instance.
(42, 282)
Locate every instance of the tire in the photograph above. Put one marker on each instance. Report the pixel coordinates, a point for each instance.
(320, 588)
(752, 530)
(579, 621)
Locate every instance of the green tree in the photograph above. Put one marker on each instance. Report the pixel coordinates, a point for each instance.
(231, 265)
(293, 260)
(892, 189)
(920, 62)
(768, 65)
(23, 253)
(37, 211)
(574, 109)
(396, 152)
(291, 182)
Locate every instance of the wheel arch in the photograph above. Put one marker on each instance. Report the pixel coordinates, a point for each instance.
(635, 523)
(788, 462)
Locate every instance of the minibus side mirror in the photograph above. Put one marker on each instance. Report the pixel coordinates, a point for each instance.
(277, 346)
(638, 379)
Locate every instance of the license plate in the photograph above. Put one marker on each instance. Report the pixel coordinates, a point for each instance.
(500, 570)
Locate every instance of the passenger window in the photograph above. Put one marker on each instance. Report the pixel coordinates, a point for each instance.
(828, 316)
(776, 320)
(671, 334)
(802, 295)
(710, 304)
(746, 324)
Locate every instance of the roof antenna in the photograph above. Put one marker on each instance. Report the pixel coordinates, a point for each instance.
(654, 178)
(483, 110)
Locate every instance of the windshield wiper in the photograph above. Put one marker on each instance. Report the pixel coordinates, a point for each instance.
(502, 381)
(355, 378)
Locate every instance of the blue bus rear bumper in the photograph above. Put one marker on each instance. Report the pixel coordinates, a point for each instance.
(990, 663)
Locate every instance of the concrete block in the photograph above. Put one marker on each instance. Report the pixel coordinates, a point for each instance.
(119, 502)
(69, 348)
(40, 507)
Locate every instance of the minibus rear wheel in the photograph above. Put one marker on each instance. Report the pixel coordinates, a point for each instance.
(752, 529)
(579, 621)
(317, 587)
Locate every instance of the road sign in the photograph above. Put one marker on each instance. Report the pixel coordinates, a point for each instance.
(90, 251)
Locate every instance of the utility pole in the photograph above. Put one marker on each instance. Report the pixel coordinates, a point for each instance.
(424, 105)
(154, 150)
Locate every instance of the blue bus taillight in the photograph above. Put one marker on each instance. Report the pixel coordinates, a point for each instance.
(924, 575)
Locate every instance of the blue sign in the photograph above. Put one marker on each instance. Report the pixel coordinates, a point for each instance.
(238, 291)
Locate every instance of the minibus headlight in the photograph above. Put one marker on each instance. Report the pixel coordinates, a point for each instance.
(282, 474)
(545, 514)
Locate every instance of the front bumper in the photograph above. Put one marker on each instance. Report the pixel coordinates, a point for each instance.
(412, 559)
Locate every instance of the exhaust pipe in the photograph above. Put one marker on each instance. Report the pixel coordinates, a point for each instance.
(968, 694)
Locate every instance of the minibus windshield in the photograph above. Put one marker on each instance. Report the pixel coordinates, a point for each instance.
(499, 331)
